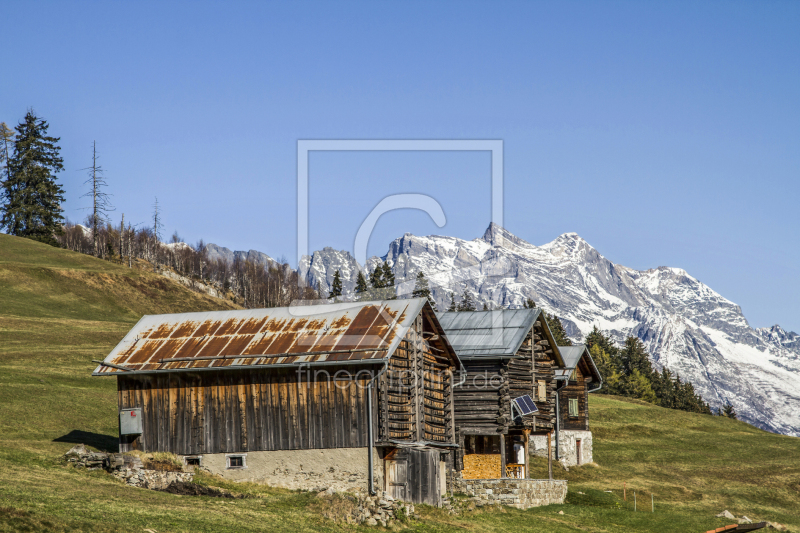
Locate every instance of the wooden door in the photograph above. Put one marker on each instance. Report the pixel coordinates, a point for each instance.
(397, 479)
(415, 475)
(424, 481)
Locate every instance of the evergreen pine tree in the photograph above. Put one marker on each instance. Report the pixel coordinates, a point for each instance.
(361, 285)
(597, 337)
(529, 304)
(336, 286)
(376, 278)
(729, 412)
(422, 290)
(389, 292)
(557, 329)
(485, 307)
(608, 370)
(467, 303)
(664, 386)
(452, 307)
(388, 275)
(633, 356)
(31, 196)
(629, 372)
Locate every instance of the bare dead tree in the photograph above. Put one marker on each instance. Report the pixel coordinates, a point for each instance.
(101, 202)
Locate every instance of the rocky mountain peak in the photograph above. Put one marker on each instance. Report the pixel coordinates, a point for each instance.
(686, 326)
(497, 235)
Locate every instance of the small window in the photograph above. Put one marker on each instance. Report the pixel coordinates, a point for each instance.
(542, 392)
(573, 407)
(192, 461)
(236, 461)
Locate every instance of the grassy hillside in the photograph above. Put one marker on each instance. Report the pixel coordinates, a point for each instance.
(59, 310)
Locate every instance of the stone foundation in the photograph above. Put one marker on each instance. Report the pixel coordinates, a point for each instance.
(337, 469)
(567, 447)
(519, 493)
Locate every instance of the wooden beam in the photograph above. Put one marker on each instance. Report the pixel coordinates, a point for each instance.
(419, 382)
(527, 434)
(502, 455)
(111, 365)
(550, 455)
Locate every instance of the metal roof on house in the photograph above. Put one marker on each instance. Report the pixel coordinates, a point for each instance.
(488, 333)
(311, 334)
(572, 356)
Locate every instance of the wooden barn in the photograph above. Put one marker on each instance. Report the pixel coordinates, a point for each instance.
(579, 377)
(507, 354)
(347, 395)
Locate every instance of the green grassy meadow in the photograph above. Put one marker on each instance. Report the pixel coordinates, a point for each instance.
(60, 309)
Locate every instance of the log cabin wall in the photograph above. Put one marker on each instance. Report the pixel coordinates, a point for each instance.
(544, 378)
(575, 390)
(520, 373)
(479, 406)
(232, 411)
(485, 408)
(415, 395)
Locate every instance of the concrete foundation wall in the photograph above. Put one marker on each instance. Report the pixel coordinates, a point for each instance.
(520, 493)
(339, 469)
(567, 440)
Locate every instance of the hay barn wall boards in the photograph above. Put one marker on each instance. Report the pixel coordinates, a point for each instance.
(291, 379)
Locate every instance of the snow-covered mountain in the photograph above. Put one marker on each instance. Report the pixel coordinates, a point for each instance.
(685, 325)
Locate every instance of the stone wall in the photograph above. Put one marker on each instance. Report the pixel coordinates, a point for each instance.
(126, 467)
(567, 447)
(520, 493)
(152, 479)
(338, 469)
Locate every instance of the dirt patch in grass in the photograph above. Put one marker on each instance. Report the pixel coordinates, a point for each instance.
(182, 488)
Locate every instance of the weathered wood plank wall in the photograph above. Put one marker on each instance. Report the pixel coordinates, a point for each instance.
(237, 411)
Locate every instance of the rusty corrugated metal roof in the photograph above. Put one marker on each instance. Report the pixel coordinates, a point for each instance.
(341, 332)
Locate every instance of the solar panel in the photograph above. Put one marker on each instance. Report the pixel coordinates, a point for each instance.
(525, 405)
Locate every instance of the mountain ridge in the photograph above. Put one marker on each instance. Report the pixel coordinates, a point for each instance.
(687, 326)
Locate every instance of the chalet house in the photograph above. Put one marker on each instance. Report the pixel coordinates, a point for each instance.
(507, 354)
(347, 395)
(573, 439)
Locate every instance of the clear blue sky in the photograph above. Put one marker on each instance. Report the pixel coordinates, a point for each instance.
(664, 133)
